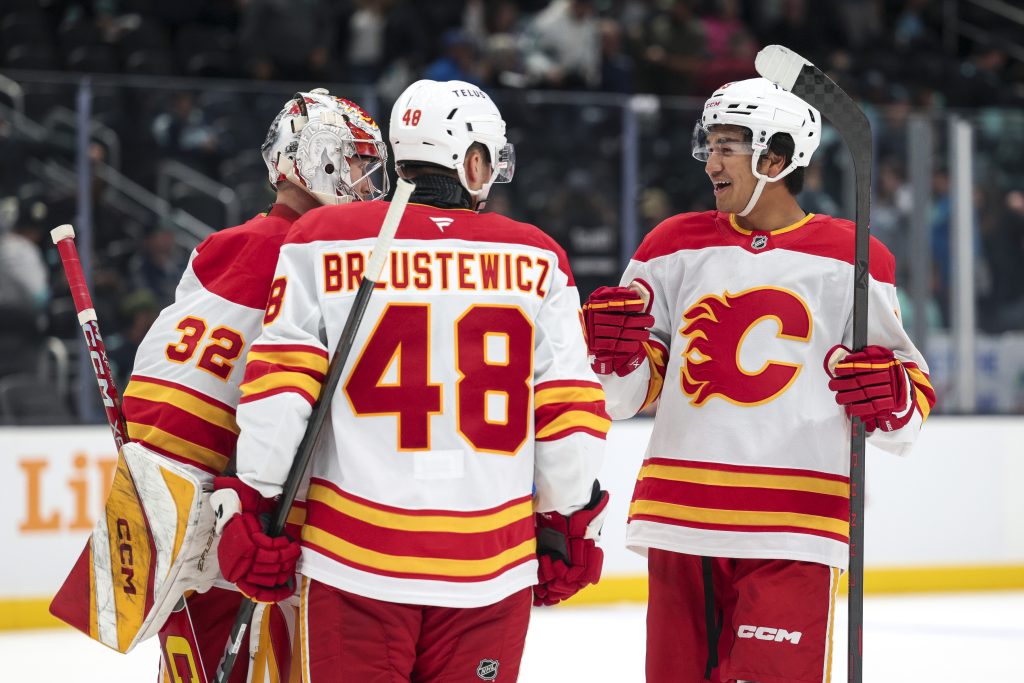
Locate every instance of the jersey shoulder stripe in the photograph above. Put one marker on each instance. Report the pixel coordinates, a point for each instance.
(238, 264)
(816, 235)
(362, 220)
(834, 238)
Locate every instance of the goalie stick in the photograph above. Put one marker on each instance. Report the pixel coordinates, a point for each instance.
(64, 237)
(304, 453)
(803, 79)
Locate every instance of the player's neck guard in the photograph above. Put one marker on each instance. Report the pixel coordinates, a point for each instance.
(444, 192)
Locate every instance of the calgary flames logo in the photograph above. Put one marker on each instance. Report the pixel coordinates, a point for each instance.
(717, 326)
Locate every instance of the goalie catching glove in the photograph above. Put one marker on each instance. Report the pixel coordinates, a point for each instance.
(262, 566)
(617, 321)
(567, 554)
(872, 384)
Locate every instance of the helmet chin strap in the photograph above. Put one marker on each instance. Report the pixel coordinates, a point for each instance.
(754, 196)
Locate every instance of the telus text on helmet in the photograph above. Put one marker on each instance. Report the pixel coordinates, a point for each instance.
(463, 92)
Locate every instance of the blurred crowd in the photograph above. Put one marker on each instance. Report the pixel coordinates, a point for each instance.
(895, 56)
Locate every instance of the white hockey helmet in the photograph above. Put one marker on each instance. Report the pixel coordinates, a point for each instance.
(765, 109)
(312, 140)
(435, 122)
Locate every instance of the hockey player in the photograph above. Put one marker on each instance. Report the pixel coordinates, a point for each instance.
(735, 321)
(466, 407)
(184, 389)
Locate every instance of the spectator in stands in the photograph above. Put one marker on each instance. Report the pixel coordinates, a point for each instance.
(565, 46)
(459, 62)
(287, 39)
(24, 279)
(157, 266)
(185, 132)
(139, 310)
(364, 41)
(672, 51)
(721, 25)
(616, 66)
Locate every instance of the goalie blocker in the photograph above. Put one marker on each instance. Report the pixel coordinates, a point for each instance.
(153, 542)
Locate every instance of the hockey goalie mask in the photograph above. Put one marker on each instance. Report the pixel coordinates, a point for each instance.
(763, 108)
(329, 147)
(436, 122)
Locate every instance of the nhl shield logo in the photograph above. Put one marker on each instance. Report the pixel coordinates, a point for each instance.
(487, 670)
(759, 242)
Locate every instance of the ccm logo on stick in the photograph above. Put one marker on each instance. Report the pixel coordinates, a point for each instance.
(768, 633)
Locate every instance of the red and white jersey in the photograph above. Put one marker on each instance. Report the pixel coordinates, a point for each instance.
(184, 387)
(466, 403)
(749, 456)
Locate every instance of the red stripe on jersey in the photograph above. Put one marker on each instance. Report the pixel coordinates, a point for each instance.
(447, 545)
(742, 498)
(418, 575)
(822, 236)
(748, 469)
(578, 429)
(417, 512)
(255, 369)
(545, 415)
(181, 423)
(740, 527)
(279, 390)
(361, 220)
(181, 387)
(557, 383)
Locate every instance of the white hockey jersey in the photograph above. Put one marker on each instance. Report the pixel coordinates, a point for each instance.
(465, 405)
(749, 456)
(184, 386)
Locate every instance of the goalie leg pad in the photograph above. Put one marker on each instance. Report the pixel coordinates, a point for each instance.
(153, 542)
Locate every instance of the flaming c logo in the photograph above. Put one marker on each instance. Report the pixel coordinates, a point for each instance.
(717, 326)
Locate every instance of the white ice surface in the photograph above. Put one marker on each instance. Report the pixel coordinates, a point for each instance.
(964, 638)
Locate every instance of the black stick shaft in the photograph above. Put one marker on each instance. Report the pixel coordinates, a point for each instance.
(307, 446)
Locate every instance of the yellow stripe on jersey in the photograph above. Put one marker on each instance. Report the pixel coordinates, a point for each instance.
(785, 482)
(436, 523)
(575, 418)
(178, 446)
(417, 565)
(292, 359)
(282, 380)
(158, 393)
(920, 380)
(656, 362)
(739, 518)
(545, 397)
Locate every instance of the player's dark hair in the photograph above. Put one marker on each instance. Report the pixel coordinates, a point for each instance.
(415, 168)
(783, 145)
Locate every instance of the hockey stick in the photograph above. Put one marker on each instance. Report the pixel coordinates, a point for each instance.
(304, 453)
(64, 237)
(803, 79)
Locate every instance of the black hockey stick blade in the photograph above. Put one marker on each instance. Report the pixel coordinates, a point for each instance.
(314, 426)
(797, 75)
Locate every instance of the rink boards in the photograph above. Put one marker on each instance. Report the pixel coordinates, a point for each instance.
(949, 517)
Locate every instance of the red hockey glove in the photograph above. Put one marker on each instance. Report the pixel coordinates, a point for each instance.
(263, 567)
(870, 383)
(617, 322)
(567, 554)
